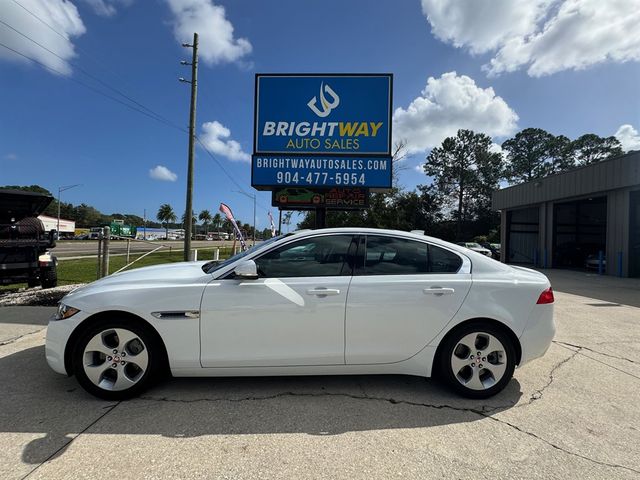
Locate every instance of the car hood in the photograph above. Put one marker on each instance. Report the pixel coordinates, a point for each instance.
(167, 274)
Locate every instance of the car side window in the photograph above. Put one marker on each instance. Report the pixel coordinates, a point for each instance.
(381, 255)
(322, 256)
(443, 261)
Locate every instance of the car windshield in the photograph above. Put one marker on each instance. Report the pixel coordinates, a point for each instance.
(473, 245)
(213, 266)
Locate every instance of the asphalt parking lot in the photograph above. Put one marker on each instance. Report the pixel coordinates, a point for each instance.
(572, 414)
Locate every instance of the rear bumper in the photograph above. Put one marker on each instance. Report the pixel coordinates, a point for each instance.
(538, 333)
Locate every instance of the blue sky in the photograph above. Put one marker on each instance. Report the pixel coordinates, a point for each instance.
(494, 65)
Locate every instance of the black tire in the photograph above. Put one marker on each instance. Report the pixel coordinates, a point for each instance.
(151, 343)
(448, 376)
(49, 277)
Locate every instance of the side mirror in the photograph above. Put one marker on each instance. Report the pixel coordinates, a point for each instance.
(247, 270)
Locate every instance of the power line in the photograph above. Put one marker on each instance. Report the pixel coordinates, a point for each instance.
(149, 112)
(85, 72)
(93, 89)
(225, 171)
(66, 37)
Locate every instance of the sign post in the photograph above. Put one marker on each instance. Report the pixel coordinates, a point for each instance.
(322, 132)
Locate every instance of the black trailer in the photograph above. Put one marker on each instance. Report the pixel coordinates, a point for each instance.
(24, 245)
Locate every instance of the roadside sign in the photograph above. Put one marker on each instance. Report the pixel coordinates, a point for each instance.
(307, 199)
(315, 130)
(307, 171)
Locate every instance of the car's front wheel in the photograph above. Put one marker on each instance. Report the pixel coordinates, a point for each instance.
(477, 360)
(116, 360)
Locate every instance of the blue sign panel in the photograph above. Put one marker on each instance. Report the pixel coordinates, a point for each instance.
(326, 171)
(323, 114)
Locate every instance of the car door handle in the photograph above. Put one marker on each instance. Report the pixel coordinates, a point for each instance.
(438, 291)
(323, 292)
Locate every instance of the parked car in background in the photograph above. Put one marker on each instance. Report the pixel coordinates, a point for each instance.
(476, 247)
(494, 248)
(592, 262)
(340, 301)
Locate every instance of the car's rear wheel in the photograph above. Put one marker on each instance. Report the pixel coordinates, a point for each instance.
(116, 360)
(477, 360)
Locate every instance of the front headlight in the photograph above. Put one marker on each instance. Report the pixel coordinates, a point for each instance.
(65, 311)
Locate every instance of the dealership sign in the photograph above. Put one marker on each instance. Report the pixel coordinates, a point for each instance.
(322, 131)
(293, 198)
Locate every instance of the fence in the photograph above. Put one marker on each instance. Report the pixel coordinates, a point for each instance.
(105, 251)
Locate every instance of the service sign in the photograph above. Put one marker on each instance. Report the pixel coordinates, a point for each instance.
(307, 199)
(322, 130)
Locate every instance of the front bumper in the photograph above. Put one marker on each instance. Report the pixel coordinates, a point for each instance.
(58, 333)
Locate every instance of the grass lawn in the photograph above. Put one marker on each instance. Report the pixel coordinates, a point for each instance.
(85, 270)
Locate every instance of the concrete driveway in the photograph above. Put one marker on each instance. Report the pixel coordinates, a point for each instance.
(572, 414)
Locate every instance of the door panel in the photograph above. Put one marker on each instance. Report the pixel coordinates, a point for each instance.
(271, 322)
(404, 293)
(293, 315)
(391, 318)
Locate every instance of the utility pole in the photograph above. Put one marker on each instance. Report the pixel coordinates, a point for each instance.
(192, 126)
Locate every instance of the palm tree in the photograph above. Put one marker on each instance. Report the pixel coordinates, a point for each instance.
(166, 215)
(216, 221)
(205, 218)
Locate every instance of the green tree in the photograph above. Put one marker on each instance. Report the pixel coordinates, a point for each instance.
(464, 172)
(216, 221)
(205, 218)
(166, 215)
(590, 148)
(561, 154)
(528, 155)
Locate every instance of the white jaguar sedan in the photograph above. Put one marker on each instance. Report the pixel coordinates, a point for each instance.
(321, 302)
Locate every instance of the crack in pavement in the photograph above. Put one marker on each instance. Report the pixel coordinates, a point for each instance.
(579, 351)
(537, 395)
(484, 412)
(15, 339)
(581, 347)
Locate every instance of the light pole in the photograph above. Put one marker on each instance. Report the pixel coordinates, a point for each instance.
(62, 189)
(253, 196)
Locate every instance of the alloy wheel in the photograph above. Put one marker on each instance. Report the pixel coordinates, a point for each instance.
(479, 361)
(115, 359)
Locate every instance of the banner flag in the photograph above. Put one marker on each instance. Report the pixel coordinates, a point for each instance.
(229, 214)
(273, 227)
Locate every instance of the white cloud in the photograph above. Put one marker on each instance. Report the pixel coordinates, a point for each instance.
(447, 104)
(628, 137)
(542, 36)
(62, 15)
(216, 41)
(216, 137)
(482, 25)
(11, 156)
(495, 148)
(162, 173)
(107, 8)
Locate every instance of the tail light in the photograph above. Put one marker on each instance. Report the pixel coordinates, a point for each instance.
(545, 297)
